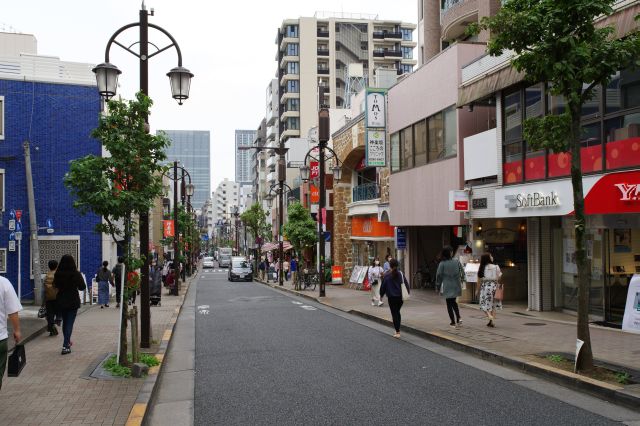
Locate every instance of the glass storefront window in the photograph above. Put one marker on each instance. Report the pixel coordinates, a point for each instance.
(555, 104)
(591, 148)
(436, 137)
(450, 132)
(533, 101)
(407, 148)
(395, 152)
(420, 133)
(512, 168)
(592, 106)
(512, 117)
(622, 135)
(623, 91)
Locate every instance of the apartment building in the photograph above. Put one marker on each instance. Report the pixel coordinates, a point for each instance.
(244, 138)
(319, 50)
(225, 197)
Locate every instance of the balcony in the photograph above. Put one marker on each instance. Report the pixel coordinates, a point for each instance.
(324, 71)
(393, 53)
(368, 191)
(271, 162)
(378, 35)
(323, 52)
(323, 33)
(271, 177)
(455, 16)
(393, 35)
(378, 54)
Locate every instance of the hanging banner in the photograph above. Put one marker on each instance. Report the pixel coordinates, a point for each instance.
(315, 194)
(376, 154)
(631, 319)
(168, 228)
(376, 108)
(314, 170)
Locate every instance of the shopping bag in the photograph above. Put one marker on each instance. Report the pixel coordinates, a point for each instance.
(17, 361)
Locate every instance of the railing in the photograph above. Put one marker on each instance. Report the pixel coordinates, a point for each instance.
(393, 53)
(323, 52)
(323, 33)
(368, 191)
(448, 4)
(323, 70)
(378, 54)
(378, 35)
(393, 34)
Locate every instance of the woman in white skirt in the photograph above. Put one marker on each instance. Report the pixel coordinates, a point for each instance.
(375, 279)
(489, 280)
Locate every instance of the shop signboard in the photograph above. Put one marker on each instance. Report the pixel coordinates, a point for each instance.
(401, 238)
(631, 319)
(336, 274)
(376, 154)
(471, 272)
(168, 228)
(458, 201)
(376, 108)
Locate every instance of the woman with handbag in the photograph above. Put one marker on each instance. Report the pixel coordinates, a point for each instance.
(490, 289)
(68, 280)
(375, 279)
(396, 287)
(448, 278)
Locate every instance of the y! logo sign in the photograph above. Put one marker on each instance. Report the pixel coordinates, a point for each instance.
(628, 192)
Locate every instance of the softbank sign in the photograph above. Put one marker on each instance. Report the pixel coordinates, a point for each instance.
(628, 192)
(532, 200)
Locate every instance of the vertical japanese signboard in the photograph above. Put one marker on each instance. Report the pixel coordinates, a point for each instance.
(376, 127)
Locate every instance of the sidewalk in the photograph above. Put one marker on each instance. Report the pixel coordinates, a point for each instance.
(515, 340)
(56, 389)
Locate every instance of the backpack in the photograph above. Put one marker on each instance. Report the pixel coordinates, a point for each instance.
(50, 290)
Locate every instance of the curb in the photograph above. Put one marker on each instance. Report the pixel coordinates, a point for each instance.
(141, 406)
(603, 390)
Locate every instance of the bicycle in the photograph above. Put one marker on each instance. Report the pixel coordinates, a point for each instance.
(307, 280)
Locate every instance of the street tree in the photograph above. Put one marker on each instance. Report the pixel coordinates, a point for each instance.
(120, 186)
(300, 228)
(559, 42)
(255, 219)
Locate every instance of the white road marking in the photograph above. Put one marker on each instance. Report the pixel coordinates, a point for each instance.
(308, 308)
(203, 312)
(203, 307)
(296, 303)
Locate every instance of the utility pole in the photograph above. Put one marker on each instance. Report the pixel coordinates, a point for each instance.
(33, 227)
(323, 139)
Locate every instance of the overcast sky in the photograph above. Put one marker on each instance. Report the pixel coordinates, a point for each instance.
(228, 45)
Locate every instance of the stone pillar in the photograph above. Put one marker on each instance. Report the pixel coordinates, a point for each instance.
(342, 230)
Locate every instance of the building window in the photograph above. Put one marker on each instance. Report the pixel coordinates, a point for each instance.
(292, 123)
(293, 68)
(292, 49)
(405, 68)
(534, 163)
(450, 132)
(436, 137)
(420, 134)
(1, 117)
(407, 34)
(395, 152)
(292, 31)
(2, 204)
(293, 86)
(407, 52)
(406, 139)
(293, 104)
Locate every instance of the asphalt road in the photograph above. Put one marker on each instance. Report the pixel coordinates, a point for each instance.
(264, 357)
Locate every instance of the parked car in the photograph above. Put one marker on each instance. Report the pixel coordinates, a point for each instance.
(240, 269)
(207, 262)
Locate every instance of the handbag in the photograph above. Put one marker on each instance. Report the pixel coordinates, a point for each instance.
(403, 288)
(17, 361)
(42, 312)
(499, 292)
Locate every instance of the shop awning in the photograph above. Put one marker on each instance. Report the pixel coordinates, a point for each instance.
(488, 85)
(274, 246)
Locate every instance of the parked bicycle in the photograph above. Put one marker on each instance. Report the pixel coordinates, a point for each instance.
(307, 280)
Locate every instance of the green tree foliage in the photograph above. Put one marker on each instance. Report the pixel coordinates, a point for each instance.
(300, 228)
(124, 184)
(255, 219)
(558, 42)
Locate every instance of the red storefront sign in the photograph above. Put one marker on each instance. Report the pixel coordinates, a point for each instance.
(315, 194)
(368, 226)
(614, 193)
(168, 228)
(314, 171)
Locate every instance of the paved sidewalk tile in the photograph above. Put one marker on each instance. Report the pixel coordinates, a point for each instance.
(517, 332)
(53, 389)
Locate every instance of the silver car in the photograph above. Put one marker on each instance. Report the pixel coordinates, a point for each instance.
(207, 262)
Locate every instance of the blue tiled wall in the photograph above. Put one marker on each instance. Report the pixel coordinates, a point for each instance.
(57, 119)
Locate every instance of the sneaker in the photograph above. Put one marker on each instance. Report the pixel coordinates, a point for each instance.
(380, 303)
(65, 351)
(459, 322)
(490, 324)
(453, 325)
(373, 303)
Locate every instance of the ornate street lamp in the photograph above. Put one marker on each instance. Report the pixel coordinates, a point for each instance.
(107, 79)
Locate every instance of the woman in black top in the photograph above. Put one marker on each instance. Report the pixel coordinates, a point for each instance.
(392, 287)
(68, 281)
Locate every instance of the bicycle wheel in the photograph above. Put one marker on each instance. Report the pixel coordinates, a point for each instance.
(315, 279)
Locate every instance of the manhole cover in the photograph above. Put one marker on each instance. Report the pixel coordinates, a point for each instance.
(534, 324)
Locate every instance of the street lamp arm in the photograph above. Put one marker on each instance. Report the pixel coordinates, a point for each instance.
(112, 40)
(334, 155)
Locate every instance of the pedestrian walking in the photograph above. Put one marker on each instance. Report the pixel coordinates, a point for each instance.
(294, 271)
(155, 284)
(117, 272)
(448, 278)
(392, 283)
(50, 295)
(68, 280)
(375, 274)
(277, 269)
(489, 279)
(9, 308)
(266, 267)
(285, 269)
(104, 278)
(387, 266)
(171, 280)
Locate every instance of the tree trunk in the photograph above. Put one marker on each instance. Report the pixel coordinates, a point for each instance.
(125, 315)
(134, 334)
(585, 360)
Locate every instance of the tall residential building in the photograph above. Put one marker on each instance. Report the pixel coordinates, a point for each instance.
(225, 197)
(339, 51)
(191, 148)
(243, 157)
(443, 22)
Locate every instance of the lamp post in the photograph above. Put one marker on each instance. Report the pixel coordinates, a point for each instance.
(188, 190)
(235, 214)
(107, 81)
(279, 191)
(323, 139)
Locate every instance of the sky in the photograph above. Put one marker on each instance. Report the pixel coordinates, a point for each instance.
(228, 45)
